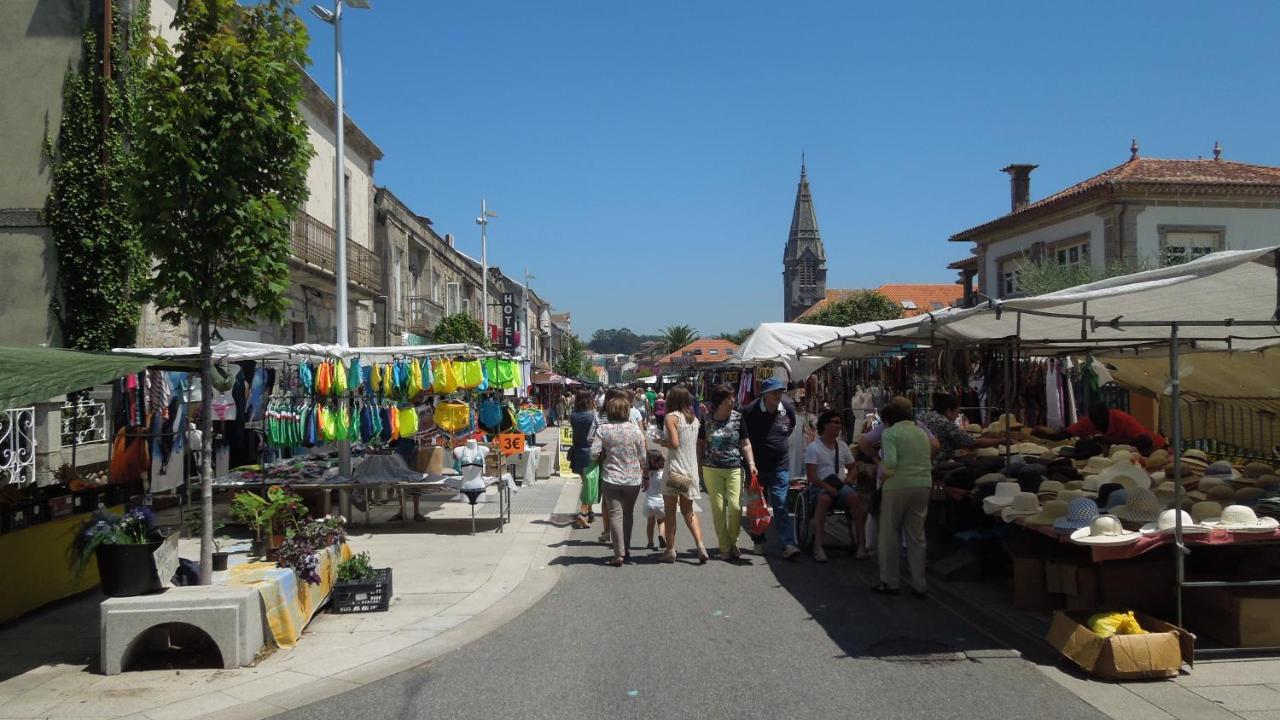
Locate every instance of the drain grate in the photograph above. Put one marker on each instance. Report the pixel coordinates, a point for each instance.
(913, 650)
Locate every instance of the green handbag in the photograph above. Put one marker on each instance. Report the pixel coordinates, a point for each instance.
(590, 485)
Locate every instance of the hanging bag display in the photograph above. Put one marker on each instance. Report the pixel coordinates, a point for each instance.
(452, 416)
(408, 424)
(415, 379)
(470, 376)
(445, 380)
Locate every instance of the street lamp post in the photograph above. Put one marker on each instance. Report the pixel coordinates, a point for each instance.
(528, 328)
(483, 222)
(334, 18)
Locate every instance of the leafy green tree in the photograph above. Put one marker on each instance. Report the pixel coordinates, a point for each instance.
(101, 261)
(1047, 275)
(675, 337)
(223, 155)
(460, 328)
(739, 337)
(860, 307)
(617, 341)
(573, 360)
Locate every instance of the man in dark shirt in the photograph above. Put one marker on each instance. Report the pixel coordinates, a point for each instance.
(768, 423)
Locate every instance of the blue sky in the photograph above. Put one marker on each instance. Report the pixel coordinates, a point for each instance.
(643, 156)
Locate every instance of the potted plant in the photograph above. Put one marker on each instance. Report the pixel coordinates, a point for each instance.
(270, 517)
(303, 543)
(124, 547)
(361, 587)
(194, 527)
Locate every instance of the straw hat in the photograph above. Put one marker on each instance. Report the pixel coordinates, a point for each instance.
(1257, 469)
(1095, 465)
(1024, 504)
(1223, 494)
(1080, 514)
(1142, 507)
(1068, 495)
(1003, 497)
(1157, 459)
(1240, 518)
(1073, 485)
(998, 427)
(1127, 474)
(1190, 466)
(1049, 489)
(973, 428)
(1029, 448)
(1203, 512)
(986, 452)
(1121, 447)
(1166, 492)
(1050, 511)
(1222, 469)
(1195, 454)
(1250, 495)
(1092, 483)
(1104, 530)
(1206, 484)
(1165, 523)
(1049, 456)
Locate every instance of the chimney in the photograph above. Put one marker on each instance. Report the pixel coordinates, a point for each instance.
(448, 237)
(1019, 184)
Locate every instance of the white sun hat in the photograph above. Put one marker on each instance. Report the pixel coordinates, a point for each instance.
(1127, 474)
(1003, 497)
(1104, 530)
(1165, 524)
(1242, 518)
(1024, 504)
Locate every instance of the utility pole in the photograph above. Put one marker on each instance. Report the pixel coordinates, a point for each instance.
(483, 222)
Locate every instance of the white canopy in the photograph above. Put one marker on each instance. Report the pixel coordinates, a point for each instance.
(241, 350)
(1204, 296)
(778, 343)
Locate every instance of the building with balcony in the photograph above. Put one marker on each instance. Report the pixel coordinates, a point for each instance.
(425, 277)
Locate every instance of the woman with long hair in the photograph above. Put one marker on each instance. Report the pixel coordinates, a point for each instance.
(680, 478)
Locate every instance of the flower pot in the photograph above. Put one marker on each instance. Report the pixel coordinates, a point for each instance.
(220, 561)
(128, 570)
(258, 549)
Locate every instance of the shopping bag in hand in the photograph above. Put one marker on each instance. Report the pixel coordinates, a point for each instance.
(757, 510)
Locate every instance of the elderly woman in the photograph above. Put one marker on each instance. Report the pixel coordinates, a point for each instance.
(908, 478)
(620, 445)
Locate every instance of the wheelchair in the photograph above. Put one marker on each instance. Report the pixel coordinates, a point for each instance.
(802, 512)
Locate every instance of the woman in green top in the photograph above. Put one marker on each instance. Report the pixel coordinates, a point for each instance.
(908, 478)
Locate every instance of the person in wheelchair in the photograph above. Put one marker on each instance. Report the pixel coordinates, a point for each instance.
(831, 474)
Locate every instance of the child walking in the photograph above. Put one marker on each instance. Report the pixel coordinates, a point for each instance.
(654, 509)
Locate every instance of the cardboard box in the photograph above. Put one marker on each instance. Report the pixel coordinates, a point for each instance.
(1235, 617)
(1030, 591)
(430, 460)
(1159, 654)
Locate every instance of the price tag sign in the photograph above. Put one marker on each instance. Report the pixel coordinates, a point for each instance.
(511, 443)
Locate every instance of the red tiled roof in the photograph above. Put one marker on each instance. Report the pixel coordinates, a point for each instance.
(923, 296)
(703, 347)
(1208, 177)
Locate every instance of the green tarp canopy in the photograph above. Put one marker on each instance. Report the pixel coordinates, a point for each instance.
(31, 375)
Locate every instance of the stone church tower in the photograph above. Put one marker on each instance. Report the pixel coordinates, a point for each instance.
(804, 265)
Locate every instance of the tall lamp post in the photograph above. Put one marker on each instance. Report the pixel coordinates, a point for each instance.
(334, 18)
(528, 328)
(483, 222)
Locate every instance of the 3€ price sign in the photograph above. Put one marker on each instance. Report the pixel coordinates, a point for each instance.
(511, 443)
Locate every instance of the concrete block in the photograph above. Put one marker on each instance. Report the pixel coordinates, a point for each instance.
(232, 617)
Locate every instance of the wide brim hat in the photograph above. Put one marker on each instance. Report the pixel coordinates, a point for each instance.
(1081, 513)
(1121, 455)
(998, 427)
(1069, 494)
(1104, 530)
(973, 429)
(1205, 485)
(1224, 494)
(1024, 504)
(1241, 518)
(986, 452)
(989, 478)
(1166, 492)
(1005, 492)
(1257, 469)
(1204, 512)
(1095, 465)
(1249, 495)
(1157, 459)
(1195, 454)
(1222, 469)
(1127, 474)
(1050, 511)
(1142, 507)
(1029, 448)
(1165, 524)
(1113, 499)
(1049, 489)
(1092, 484)
(1122, 447)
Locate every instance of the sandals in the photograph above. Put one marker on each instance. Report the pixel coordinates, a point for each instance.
(581, 522)
(703, 557)
(883, 589)
(616, 562)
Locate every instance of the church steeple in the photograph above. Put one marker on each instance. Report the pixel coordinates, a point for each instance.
(804, 273)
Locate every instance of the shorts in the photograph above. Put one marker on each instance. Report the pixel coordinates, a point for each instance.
(655, 507)
(841, 497)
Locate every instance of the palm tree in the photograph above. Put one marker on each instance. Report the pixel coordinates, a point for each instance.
(677, 336)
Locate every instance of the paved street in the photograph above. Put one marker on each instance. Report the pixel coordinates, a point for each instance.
(782, 639)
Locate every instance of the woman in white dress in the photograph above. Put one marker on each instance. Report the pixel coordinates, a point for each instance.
(680, 477)
(802, 434)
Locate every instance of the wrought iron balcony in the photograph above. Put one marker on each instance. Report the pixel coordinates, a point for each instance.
(313, 243)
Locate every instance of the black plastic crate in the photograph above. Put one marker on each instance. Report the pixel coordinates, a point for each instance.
(361, 597)
(22, 515)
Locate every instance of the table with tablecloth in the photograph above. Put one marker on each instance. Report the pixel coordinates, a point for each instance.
(288, 601)
(1147, 543)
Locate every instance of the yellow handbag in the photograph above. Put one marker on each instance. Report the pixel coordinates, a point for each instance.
(469, 374)
(415, 379)
(408, 424)
(453, 416)
(446, 379)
